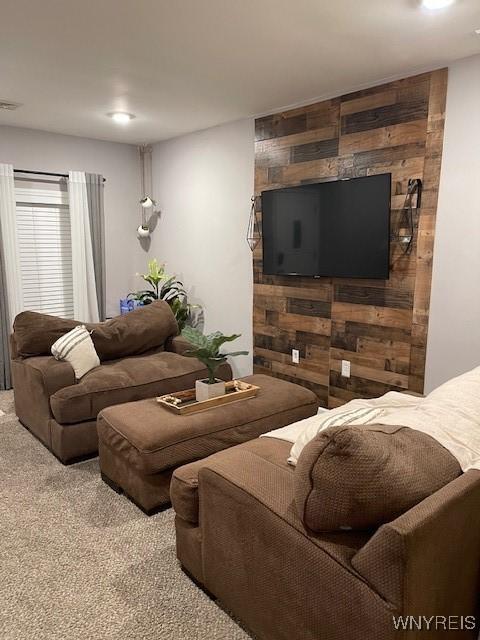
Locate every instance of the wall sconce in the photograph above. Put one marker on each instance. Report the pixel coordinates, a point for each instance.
(404, 233)
(146, 202)
(253, 231)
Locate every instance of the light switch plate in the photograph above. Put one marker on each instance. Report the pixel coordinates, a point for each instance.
(346, 368)
(295, 356)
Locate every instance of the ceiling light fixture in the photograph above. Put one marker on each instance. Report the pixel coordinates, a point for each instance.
(121, 117)
(435, 5)
(143, 230)
(147, 203)
(477, 31)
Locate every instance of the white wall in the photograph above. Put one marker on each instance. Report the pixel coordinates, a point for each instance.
(454, 330)
(203, 183)
(119, 164)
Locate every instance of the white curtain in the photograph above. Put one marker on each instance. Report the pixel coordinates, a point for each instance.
(85, 301)
(9, 248)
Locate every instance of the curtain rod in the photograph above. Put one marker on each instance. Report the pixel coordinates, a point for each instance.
(44, 173)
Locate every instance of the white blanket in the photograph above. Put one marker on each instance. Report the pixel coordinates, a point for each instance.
(450, 414)
(356, 412)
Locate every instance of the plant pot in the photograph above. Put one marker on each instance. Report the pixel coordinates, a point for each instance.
(205, 391)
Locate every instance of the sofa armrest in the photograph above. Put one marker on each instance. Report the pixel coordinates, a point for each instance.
(35, 379)
(177, 344)
(13, 347)
(51, 374)
(427, 561)
(184, 490)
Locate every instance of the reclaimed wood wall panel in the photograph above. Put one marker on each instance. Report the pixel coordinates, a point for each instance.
(379, 326)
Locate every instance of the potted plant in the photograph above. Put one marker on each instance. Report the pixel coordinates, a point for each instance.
(164, 287)
(206, 348)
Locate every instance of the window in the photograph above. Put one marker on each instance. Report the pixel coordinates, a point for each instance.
(44, 242)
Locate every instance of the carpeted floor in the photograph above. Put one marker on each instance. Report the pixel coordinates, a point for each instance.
(78, 561)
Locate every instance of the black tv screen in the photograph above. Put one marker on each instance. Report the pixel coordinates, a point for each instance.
(336, 229)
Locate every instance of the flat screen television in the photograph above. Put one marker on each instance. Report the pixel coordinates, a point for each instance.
(336, 229)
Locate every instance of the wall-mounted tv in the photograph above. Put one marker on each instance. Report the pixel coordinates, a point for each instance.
(336, 229)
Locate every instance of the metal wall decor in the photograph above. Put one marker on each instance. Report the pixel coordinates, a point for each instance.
(253, 232)
(407, 220)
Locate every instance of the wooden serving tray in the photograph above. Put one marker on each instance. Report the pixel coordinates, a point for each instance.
(188, 404)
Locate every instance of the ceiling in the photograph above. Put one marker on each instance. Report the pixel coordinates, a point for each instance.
(184, 65)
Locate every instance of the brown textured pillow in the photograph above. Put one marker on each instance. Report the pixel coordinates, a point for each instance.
(359, 477)
(145, 328)
(133, 333)
(34, 333)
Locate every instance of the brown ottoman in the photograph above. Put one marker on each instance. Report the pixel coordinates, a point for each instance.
(142, 443)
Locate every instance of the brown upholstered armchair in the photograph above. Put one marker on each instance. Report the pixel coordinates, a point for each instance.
(239, 535)
(141, 357)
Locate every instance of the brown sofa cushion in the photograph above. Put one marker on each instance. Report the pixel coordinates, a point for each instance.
(34, 333)
(151, 438)
(184, 484)
(127, 380)
(134, 333)
(359, 477)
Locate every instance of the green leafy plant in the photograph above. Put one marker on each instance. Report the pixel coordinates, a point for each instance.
(165, 287)
(206, 348)
(155, 275)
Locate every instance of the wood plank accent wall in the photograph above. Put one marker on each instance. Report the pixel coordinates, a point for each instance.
(380, 326)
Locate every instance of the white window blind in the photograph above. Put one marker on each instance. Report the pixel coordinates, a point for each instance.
(44, 240)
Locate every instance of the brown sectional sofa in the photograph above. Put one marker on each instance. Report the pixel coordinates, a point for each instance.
(240, 536)
(141, 358)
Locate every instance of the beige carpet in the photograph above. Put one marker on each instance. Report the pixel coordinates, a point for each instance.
(79, 562)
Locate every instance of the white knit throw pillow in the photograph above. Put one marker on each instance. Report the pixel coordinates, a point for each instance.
(76, 347)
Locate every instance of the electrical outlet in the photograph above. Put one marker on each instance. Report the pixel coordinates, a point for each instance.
(346, 368)
(295, 356)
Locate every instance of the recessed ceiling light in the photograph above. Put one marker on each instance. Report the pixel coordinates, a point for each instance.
(120, 117)
(477, 31)
(434, 5)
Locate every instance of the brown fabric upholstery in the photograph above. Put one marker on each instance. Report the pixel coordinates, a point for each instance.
(54, 374)
(126, 380)
(34, 380)
(260, 468)
(361, 477)
(177, 344)
(34, 333)
(257, 557)
(73, 441)
(134, 333)
(427, 561)
(13, 347)
(251, 550)
(140, 441)
(184, 491)
(61, 412)
(184, 487)
(189, 544)
(153, 438)
(147, 491)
